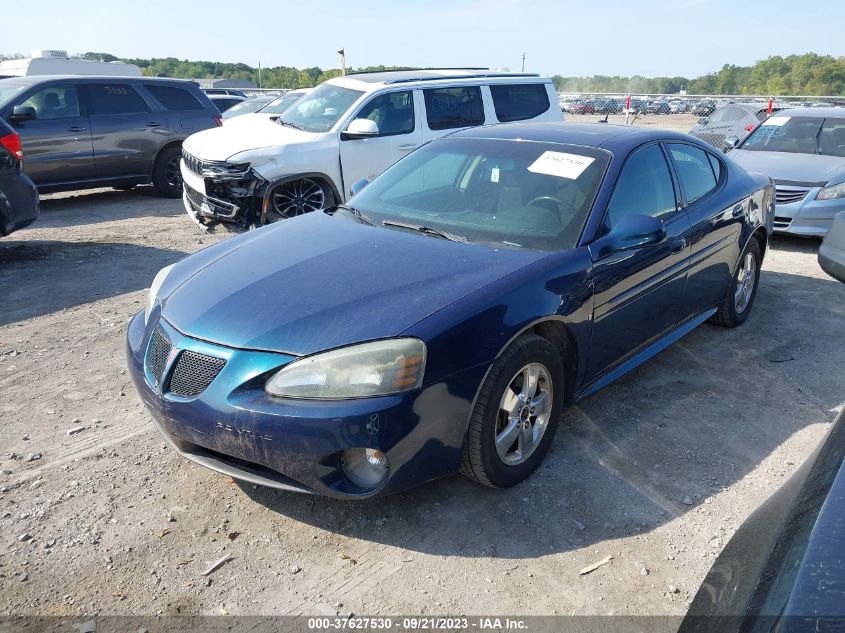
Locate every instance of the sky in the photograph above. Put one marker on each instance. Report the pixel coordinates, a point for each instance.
(573, 38)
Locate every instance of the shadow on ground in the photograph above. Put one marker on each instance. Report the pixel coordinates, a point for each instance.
(74, 272)
(657, 443)
(105, 205)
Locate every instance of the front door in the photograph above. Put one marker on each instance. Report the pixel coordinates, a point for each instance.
(126, 134)
(639, 293)
(57, 144)
(396, 115)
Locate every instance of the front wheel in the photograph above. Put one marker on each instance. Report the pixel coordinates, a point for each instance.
(743, 290)
(516, 414)
(298, 197)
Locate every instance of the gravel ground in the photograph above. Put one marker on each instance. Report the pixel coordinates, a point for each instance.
(657, 471)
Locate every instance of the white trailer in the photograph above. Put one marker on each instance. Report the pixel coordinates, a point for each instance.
(53, 62)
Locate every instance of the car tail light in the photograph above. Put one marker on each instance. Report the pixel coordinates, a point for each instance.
(12, 142)
(218, 120)
(749, 127)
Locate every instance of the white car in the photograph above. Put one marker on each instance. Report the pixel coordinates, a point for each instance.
(272, 109)
(347, 130)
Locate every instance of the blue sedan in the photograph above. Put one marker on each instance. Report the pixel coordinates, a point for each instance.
(442, 320)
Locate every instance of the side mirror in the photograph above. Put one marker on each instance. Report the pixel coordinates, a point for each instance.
(358, 185)
(632, 231)
(361, 128)
(703, 120)
(832, 250)
(730, 143)
(23, 113)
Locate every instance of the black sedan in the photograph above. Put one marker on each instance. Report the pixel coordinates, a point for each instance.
(442, 318)
(18, 196)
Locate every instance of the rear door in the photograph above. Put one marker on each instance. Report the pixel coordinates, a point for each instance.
(715, 224)
(397, 116)
(125, 130)
(185, 113)
(57, 144)
(639, 293)
(450, 109)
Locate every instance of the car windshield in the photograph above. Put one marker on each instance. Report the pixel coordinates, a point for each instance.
(799, 135)
(8, 91)
(320, 110)
(513, 194)
(245, 107)
(279, 105)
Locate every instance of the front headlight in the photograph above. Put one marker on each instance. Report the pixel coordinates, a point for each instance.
(154, 288)
(832, 192)
(370, 369)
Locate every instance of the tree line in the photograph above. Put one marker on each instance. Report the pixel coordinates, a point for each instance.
(808, 74)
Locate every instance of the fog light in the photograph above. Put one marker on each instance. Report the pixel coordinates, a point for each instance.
(365, 467)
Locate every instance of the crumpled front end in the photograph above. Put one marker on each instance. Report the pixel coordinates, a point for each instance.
(219, 191)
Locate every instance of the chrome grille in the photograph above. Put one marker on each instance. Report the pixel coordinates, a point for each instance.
(788, 195)
(157, 355)
(193, 163)
(193, 373)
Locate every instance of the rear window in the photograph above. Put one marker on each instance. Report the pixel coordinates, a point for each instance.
(517, 102)
(105, 99)
(448, 108)
(174, 98)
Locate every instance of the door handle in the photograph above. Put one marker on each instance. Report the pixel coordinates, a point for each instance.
(406, 148)
(679, 245)
(76, 129)
(737, 211)
(153, 124)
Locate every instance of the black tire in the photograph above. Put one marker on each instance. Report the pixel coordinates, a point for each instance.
(481, 460)
(167, 177)
(729, 314)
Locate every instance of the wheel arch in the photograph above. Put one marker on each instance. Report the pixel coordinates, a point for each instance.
(161, 150)
(321, 177)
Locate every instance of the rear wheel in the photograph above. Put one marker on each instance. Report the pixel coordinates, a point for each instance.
(298, 197)
(743, 290)
(167, 177)
(516, 414)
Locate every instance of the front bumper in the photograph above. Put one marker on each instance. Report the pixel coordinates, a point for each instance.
(807, 216)
(236, 428)
(227, 195)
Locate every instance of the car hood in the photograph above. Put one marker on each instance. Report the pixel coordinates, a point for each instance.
(787, 166)
(220, 143)
(317, 282)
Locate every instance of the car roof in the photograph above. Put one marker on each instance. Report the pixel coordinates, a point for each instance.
(615, 138)
(819, 113)
(388, 77)
(37, 79)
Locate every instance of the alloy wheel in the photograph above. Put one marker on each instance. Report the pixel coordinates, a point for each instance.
(524, 412)
(746, 277)
(298, 197)
(172, 173)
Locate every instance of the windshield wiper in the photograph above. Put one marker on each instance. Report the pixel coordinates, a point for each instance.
(356, 213)
(295, 126)
(426, 230)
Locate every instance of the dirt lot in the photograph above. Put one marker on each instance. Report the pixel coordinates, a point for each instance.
(657, 470)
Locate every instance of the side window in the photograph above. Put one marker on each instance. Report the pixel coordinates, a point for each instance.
(174, 98)
(644, 187)
(517, 102)
(695, 170)
(719, 115)
(716, 164)
(55, 102)
(104, 99)
(392, 112)
(448, 108)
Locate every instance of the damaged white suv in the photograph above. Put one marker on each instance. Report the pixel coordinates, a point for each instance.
(348, 129)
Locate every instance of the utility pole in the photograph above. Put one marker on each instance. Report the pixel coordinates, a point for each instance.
(259, 74)
(523, 62)
(342, 54)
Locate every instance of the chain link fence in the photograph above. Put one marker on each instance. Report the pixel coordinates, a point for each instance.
(712, 118)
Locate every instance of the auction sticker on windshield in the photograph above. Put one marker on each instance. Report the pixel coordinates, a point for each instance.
(776, 120)
(561, 164)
